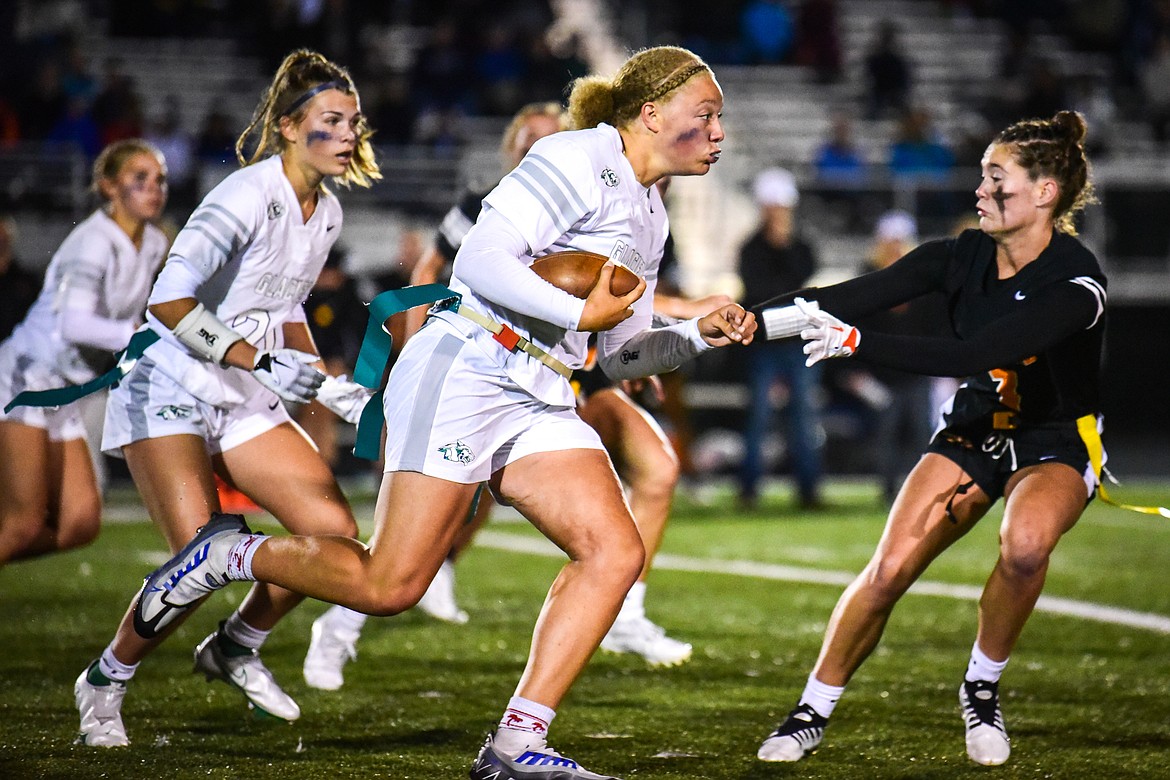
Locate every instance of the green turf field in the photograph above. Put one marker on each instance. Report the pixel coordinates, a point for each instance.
(1083, 698)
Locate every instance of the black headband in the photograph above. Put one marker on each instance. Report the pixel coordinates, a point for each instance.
(310, 93)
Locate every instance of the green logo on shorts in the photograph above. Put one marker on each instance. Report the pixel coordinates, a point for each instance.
(457, 452)
(172, 412)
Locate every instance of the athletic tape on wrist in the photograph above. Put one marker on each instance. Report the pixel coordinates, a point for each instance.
(784, 322)
(205, 335)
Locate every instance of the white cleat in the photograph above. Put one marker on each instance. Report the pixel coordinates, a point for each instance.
(196, 570)
(248, 674)
(800, 734)
(439, 600)
(987, 740)
(642, 637)
(100, 707)
(330, 649)
(533, 764)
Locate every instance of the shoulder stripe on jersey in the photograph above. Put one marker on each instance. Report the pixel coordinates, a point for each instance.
(230, 217)
(215, 239)
(566, 213)
(1093, 286)
(215, 222)
(454, 226)
(77, 268)
(542, 196)
(555, 171)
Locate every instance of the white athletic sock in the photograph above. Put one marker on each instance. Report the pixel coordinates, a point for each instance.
(239, 566)
(114, 669)
(980, 667)
(345, 619)
(523, 727)
(822, 698)
(634, 606)
(243, 634)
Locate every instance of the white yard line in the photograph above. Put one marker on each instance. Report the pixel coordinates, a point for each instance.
(1101, 613)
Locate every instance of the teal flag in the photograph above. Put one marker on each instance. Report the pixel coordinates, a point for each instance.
(375, 354)
(66, 395)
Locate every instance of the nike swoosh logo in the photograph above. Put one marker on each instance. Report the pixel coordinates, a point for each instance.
(329, 227)
(272, 406)
(1020, 295)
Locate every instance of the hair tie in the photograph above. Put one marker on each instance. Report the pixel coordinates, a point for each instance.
(310, 93)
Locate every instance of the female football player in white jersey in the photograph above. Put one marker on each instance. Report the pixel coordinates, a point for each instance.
(92, 300)
(206, 398)
(464, 406)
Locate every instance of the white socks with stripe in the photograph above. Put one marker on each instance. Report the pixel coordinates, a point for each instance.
(112, 668)
(523, 727)
(243, 634)
(239, 562)
(821, 697)
(980, 667)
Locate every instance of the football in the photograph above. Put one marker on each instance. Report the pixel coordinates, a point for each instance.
(576, 272)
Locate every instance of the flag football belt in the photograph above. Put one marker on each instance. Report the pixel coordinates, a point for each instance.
(510, 339)
(1087, 427)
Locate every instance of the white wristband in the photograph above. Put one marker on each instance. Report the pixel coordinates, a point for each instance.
(781, 322)
(204, 334)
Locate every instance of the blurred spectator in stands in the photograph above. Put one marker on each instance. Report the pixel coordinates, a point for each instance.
(291, 24)
(918, 151)
(974, 130)
(43, 103)
(217, 142)
(766, 32)
(396, 273)
(442, 74)
(1155, 84)
(440, 128)
(1092, 96)
(19, 287)
(77, 81)
(9, 123)
(499, 72)
(1018, 55)
(1045, 92)
(77, 128)
(117, 110)
(773, 261)
(412, 245)
(887, 74)
(337, 319)
(818, 39)
(392, 112)
(551, 68)
(178, 147)
(897, 403)
(838, 160)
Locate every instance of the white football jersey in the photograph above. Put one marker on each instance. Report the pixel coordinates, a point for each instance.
(97, 268)
(257, 259)
(574, 190)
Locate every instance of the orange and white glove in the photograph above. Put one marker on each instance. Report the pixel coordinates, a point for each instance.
(826, 336)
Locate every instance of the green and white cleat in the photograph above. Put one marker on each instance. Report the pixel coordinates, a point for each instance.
(248, 674)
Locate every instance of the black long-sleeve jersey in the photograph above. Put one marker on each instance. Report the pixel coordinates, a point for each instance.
(1029, 345)
(458, 220)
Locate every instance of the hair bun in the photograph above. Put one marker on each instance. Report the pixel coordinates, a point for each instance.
(1072, 124)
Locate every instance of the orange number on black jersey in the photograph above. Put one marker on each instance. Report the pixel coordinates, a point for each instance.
(1007, 386)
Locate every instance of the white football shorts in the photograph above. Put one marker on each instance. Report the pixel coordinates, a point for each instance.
(19, 372)
(452, 412)
(148, 404)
